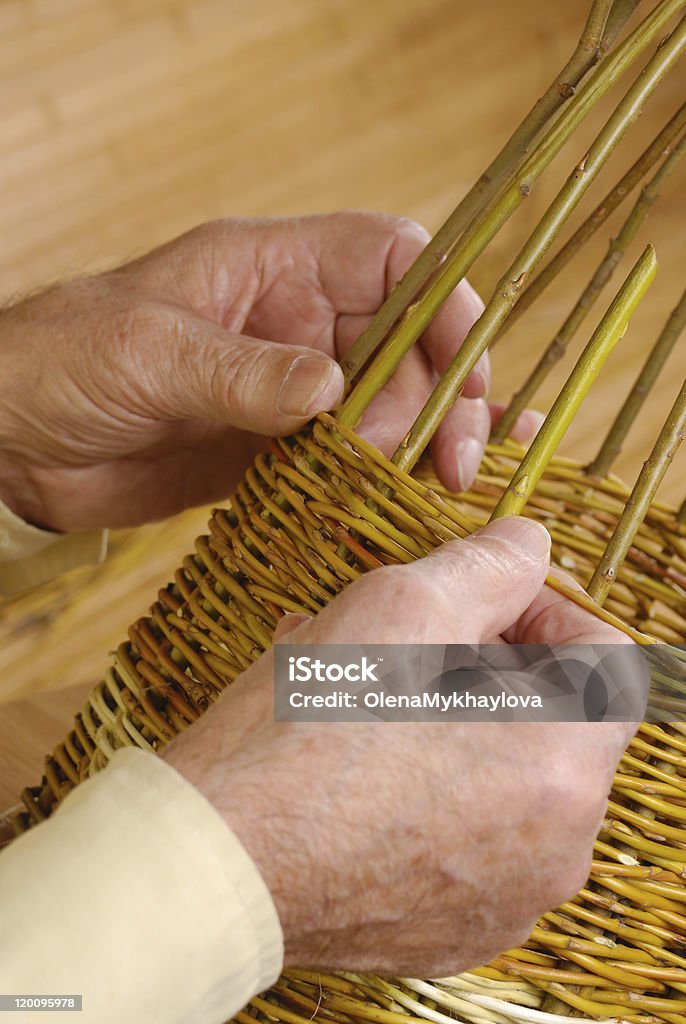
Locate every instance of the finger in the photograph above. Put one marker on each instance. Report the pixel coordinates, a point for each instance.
(450, 326)
(210, 374)
(467, 591)
(297, 272)
(526, 426)
(398, 404)
(459, 444)
(395, 244)
(448, 330)
(490, 577)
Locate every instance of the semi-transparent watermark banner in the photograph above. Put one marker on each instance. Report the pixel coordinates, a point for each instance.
(479, 683)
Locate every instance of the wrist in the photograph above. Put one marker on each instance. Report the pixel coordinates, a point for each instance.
(251, 808)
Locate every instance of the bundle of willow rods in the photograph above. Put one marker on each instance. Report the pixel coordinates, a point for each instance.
(321, 508)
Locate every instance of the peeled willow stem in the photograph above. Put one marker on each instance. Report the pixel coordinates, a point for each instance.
(612, 445)
(649, 479)
(659, 147)
(419, 314)
(505, 295)
(609, 331)
(616, 249)
(593, 37)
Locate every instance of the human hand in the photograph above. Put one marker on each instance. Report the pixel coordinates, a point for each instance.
(415, 848)
(130, 395)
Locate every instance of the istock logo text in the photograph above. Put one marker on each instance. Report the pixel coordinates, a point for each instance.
(305, 670)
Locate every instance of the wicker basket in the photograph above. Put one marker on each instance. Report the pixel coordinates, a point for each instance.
(301, 527)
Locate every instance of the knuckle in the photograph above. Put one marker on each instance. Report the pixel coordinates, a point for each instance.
(412, 229)
(209, 230)
(565, 882)
(237, 375)
(402, 232)
(519, 931)
(570, 801)
(131, 332)
(487, 560)
(575, 876)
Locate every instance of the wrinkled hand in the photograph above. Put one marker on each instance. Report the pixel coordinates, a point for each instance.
(415, 848)
(130, 395)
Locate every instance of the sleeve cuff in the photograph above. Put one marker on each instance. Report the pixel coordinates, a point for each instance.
(159, 910)
(29, 556)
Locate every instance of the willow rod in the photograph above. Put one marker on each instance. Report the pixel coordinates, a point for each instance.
(612, 445)
(606, 268)
(560, 90)
(417, 316)
(608, 332)
(660, 146)
(642, 494)
(506, 292)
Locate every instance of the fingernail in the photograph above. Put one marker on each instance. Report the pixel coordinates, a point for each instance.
(305, 387)
(469, 455)
(530, 537)
(482, 384)
(482, 371)
(566, 578)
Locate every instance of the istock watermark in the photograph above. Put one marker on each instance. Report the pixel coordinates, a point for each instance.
(486, 683)
(306, 669)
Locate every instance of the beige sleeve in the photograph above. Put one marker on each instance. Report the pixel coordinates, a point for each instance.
(29, 556)
(138, 896)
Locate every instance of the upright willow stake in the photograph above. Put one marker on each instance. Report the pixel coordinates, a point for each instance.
(616, 249)
(505, 295)
(616, 20)
(451, 268)
(612, 445)
(609, 331)
(660, 146)
(593, 37)
(636, 508)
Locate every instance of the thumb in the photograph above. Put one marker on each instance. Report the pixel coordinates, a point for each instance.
(261, 386)
(467, 591)
(490, 578)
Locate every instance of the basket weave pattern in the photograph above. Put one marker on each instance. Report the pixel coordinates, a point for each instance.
(318, 511)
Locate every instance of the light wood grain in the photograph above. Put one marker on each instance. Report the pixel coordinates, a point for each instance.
(125, 122)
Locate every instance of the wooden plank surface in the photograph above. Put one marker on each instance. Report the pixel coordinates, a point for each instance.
(125, 122)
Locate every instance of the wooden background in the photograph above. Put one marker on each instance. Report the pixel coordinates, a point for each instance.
(125, 122)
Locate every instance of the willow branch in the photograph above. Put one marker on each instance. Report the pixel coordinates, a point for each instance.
(608, 332)
(616, 20)
(505, 295)
(649, 479)
(417, 316)
(581, 598)
(591, 293)
(585, 55)
(659, 147)
(612, 445)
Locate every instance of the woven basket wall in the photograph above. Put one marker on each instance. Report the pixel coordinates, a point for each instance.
(298, 530)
